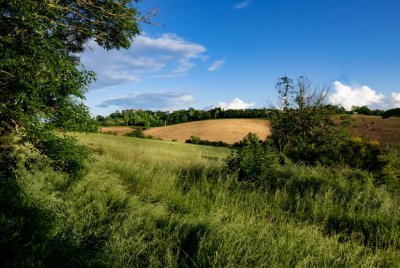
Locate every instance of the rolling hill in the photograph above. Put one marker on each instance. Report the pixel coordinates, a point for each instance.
(226, 130)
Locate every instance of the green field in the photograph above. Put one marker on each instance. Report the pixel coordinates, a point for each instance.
(165, 204)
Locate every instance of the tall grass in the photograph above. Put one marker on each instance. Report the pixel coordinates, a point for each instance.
(164, 204)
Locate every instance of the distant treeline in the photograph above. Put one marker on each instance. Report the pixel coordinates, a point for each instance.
(385, 114)
(391, 113)
(147, 118)
(367, 111)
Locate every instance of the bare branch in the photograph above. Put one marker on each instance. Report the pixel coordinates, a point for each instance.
(7, 73)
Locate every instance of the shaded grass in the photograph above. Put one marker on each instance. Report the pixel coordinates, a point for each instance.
(164, 204)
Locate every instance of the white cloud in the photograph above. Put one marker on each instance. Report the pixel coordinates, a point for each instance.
(170, 43)
(183, 67)
(347, 96)
(242, 4)
(150, 101)
(235, 104)
(216, 65)
(396, 99)
(167, 55)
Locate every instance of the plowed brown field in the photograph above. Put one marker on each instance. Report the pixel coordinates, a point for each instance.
(374, 127)
(226, 130)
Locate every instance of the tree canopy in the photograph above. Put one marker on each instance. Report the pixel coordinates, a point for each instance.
(43, 83)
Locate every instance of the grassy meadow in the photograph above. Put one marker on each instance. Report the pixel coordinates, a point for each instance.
(166, 204)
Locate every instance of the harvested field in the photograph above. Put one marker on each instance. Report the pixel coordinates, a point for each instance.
(226, 130)
(119, 131)
(232, 130)
(374, 127)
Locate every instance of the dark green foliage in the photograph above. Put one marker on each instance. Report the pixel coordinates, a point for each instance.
(9, 160)
(366, 111)
(62, 153)
(74, 117)
(359, 153)
(23, 229)
(372, 231)
(42, 82)
(199, 141)
(138, 133)
(42, 85)
(391, 113)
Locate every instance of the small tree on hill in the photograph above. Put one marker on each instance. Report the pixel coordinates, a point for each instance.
(304, 128)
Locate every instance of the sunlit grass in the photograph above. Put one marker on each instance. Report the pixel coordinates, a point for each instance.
(166, 204)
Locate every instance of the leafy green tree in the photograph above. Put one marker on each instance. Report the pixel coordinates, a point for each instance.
(42, 83)
(391, 113)
(362, 110)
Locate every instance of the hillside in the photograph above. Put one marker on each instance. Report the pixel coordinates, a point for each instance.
(149, 203)
(232, 130)
(226, 130)
(374, 127)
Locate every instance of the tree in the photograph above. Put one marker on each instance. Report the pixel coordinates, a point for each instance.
(391, 113)
(304, 128)
(42, 80)
(362, 110)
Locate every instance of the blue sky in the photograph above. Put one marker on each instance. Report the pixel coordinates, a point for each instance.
(231, 54)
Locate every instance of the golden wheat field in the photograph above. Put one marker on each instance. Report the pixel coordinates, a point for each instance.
(226, 130)
(232, 130)
(119, 131)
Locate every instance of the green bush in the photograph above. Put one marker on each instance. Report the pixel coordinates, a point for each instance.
(199, 141)
(138, 133)
(255, 161)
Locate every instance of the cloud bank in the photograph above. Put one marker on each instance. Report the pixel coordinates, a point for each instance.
(347, 96)
(150, 101)
(216, 65)
(396, 99)
(235, 104)
(241, 5)
(167, 55)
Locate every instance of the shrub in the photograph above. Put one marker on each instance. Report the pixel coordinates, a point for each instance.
(194, 140)
(199, 141)
(361, 153)
(138, 133)
(254, 161)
